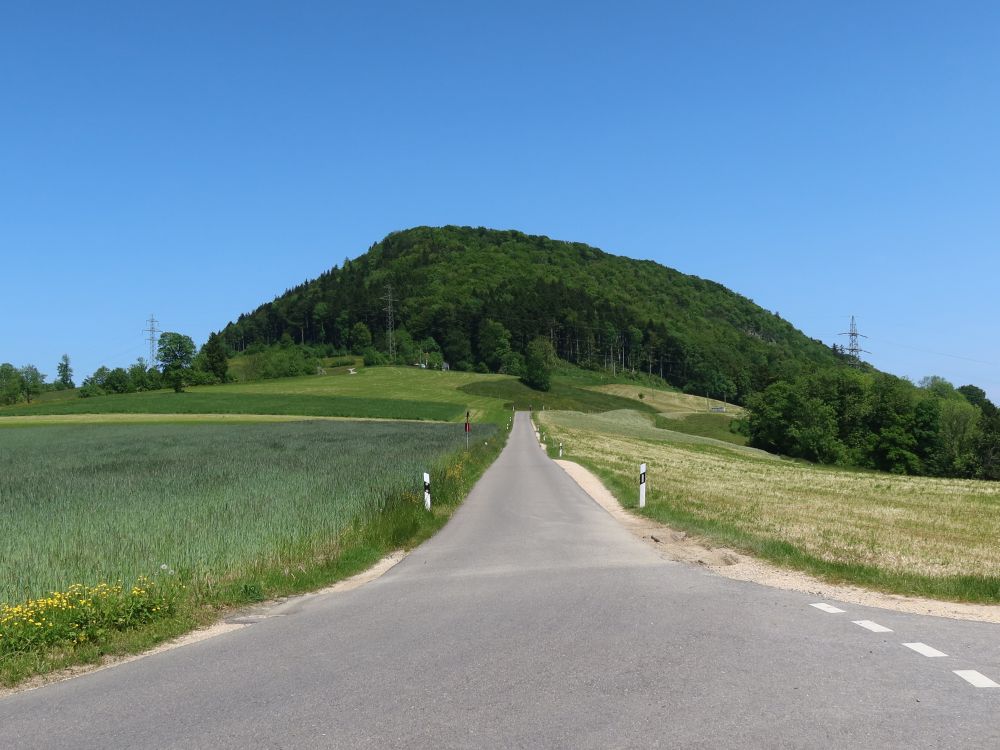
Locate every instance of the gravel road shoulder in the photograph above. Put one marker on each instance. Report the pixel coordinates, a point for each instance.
(675, 545)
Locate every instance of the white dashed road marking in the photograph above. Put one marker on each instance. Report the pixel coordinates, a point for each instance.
(923, 648)
(976, 679)
(872, 626)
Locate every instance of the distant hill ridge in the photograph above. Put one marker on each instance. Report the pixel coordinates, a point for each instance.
(480, 295)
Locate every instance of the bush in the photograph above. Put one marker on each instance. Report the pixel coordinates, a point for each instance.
(374, 358)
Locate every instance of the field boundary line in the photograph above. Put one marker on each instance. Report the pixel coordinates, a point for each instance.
(679, 546)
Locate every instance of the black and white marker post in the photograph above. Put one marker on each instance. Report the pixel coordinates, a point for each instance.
(642, 485)
(468, 429)
(427, 491)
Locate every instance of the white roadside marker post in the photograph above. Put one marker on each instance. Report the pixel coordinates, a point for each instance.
(560, 450)
(427, 491)
(642, 485)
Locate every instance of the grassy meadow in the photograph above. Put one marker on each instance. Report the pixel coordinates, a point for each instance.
(682, 412)
(374, 393)
(912, 535)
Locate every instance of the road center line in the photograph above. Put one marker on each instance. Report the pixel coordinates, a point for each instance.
(923, 648)
(826, 608)
(872, 626)
(976, 679)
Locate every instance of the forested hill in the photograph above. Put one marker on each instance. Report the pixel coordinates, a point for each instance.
(481, 295)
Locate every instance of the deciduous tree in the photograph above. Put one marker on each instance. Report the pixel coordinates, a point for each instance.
(175, 353)
(10, 384)
(32, 382)
(64, 374)
(361, 337)
(538, 364)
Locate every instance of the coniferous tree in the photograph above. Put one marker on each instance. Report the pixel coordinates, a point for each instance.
(214, 352)
(32, 382)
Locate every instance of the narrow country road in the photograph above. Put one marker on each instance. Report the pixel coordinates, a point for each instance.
(533, 620)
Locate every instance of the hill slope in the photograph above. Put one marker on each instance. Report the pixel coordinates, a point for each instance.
(599, 310)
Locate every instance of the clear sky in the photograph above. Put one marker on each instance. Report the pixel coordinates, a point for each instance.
(194, 160)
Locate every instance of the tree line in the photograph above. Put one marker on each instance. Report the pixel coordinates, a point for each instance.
(26, 382)
(178, 364)
(874, 420)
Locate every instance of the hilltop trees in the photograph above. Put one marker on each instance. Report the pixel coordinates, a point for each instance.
(138, 376)
(64, 378)
(175, 354)
(482, 295)
(18, 383)
(32, 382)
(10, 384)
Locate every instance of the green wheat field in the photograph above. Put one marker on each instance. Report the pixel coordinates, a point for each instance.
(104, 502)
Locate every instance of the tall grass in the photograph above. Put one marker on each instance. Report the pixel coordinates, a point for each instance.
(91, 503)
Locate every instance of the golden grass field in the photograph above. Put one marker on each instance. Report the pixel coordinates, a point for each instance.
(895, 525)
(672, 404)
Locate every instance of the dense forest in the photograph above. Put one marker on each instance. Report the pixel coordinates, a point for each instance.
(854, 417)
(474, 298)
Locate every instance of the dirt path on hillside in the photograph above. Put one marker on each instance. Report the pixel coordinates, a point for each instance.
(675, 545)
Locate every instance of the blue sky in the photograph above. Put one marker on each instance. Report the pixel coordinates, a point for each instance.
(823, 159)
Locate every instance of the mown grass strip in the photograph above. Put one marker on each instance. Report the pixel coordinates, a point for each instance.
(715, 426)
(563, 395)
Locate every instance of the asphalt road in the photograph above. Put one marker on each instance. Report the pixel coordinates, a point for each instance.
(533, 620)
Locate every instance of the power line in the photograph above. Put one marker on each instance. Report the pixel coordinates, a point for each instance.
(389, 328)
(937, 354)
(854, 349)
(153, 332)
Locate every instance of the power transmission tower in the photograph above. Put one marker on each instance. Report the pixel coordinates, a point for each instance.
(153, 332)
(389, 327)
(854, 349)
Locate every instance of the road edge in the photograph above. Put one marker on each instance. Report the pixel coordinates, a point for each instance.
(678, 546)
(228, 622)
